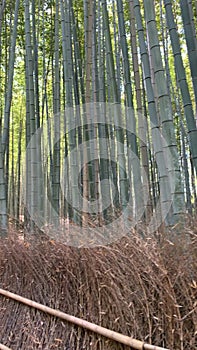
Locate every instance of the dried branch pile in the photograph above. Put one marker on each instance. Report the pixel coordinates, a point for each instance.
(144, 288)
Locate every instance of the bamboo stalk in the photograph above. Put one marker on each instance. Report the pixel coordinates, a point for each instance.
(120, 338)
(3, 347)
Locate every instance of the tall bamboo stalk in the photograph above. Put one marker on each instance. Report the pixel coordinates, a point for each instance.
(133, 163)
(32, 197)
(165, 195)
(165, 111)
(56, 108)
(182, 81)
(123, 181)
(191, 40)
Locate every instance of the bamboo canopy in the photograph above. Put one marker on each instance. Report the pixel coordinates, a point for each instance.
(120, 338)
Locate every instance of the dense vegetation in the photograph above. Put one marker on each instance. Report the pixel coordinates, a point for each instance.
(143, 288)
(98, 165)
(98, 111)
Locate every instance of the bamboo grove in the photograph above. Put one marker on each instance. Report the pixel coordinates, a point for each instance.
(98, 108)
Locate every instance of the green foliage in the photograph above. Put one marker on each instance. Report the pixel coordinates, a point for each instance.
(107, 76)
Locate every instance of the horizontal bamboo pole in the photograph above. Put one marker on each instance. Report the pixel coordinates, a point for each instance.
(3, 347)
(118, 337)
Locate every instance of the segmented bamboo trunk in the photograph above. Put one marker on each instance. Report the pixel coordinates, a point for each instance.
(133, 163)
(8, 100)
(182, 81)
(123, 181)
(165, 195)
(142, 122)
(56, 109)
(165, 111)
(33, 148)
(191, 40)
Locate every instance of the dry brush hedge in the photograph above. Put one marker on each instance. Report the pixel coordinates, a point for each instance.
(144, 288)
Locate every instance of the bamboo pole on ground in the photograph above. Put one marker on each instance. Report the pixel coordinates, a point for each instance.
(3, 347)
(118, 337)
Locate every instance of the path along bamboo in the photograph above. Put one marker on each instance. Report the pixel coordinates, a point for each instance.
(118, 337)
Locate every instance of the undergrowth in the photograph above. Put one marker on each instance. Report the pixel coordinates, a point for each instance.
(145, 288)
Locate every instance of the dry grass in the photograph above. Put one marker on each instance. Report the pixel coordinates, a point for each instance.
(144, 288)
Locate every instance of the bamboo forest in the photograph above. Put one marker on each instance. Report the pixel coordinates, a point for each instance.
(98, 174)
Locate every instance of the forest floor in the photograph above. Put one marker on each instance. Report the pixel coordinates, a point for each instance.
(144, 288)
